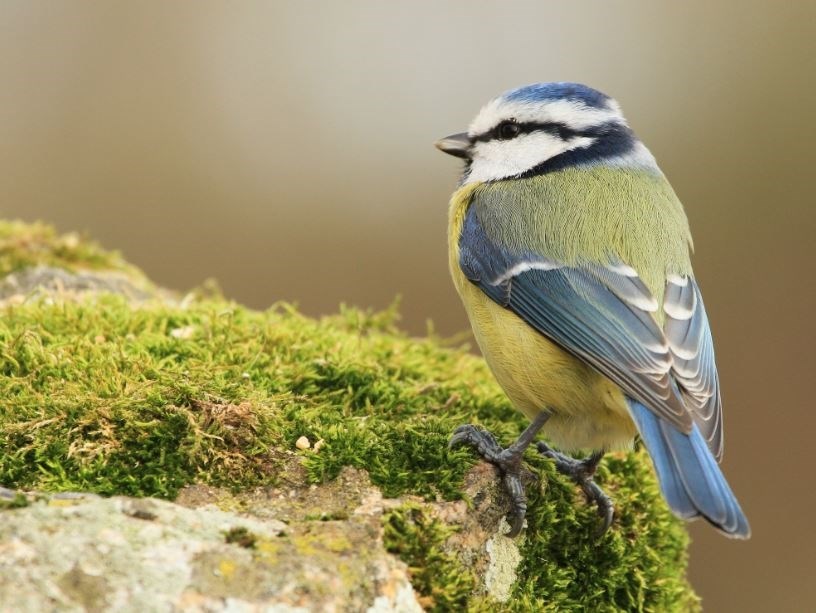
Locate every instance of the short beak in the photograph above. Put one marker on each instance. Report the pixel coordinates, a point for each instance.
(456, 144)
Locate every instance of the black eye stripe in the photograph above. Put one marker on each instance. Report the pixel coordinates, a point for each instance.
(560, 130)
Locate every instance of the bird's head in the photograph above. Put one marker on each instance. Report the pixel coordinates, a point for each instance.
(544, 127)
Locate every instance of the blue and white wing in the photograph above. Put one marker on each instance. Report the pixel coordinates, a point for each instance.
(693, 367)
(601, 314)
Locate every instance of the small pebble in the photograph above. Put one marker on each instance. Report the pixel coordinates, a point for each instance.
(319, 445)
(71, 241)
(303, 443)
(7, 494)
(184, 333)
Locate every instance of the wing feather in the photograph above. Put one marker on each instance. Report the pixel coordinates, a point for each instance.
(590, 321)
(692, 347)
(606, 316)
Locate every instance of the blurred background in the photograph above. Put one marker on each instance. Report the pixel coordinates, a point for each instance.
(286, 150)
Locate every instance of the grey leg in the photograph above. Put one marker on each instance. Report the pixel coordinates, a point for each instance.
(582, 472)
(507, 460)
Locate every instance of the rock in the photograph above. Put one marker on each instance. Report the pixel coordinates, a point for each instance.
(62, 284)
(315, 548)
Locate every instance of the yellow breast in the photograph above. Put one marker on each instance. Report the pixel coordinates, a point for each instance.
(588, 410)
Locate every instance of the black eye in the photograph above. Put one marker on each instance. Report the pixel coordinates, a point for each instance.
(507, 130)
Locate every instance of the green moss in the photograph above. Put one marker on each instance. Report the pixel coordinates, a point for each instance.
(99, 396)
(439, 579)
(25, 245)
(638, 565)
(241, 536)
(16, 501)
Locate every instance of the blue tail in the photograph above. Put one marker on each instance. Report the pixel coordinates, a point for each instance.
(690, 479)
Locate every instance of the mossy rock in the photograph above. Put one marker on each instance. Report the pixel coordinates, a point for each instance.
(154, 398)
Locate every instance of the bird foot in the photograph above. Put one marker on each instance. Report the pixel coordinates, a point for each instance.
(508, 461)
(582, 472)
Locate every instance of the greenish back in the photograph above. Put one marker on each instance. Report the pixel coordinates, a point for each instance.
(597, 215)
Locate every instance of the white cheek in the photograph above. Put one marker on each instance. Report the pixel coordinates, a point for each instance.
(501, 159)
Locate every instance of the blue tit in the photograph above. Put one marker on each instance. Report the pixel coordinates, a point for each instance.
(570, 251)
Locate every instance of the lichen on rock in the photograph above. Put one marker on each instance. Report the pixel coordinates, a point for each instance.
(138, 395)
(505, 557)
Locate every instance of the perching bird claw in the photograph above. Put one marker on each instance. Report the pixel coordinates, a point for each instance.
(508, 461)
(582, 472)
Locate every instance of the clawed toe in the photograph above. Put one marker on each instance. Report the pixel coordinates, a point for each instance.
(605, 507)
(508, 461)
(518, 502)
(481, 440)
(582, 473)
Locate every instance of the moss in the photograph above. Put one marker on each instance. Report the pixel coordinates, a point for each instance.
(442, 583)
(98, 396)
(14, 501)
(89, 591)
(638, 565)
(241, 536)
(25, 245)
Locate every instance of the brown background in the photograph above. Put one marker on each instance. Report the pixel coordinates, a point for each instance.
(285, 149)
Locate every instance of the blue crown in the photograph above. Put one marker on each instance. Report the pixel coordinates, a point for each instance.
(542, 92)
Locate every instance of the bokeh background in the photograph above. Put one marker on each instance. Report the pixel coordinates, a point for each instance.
(286, 150)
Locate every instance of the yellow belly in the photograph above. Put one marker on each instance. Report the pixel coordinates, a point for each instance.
(588, 410)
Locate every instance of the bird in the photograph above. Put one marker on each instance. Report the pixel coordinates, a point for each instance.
(571, 253)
